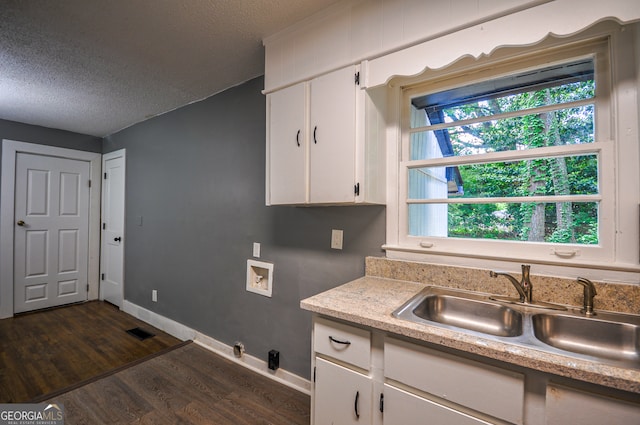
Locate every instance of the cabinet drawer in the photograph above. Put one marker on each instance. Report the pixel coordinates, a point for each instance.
(480, 387)
(342, 342)
(401, 407)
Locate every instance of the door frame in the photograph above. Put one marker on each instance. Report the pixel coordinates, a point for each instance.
(120, 153)
(10, 149)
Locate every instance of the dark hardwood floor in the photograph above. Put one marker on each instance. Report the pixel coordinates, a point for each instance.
(189, 385)
(82, 357)
(49, 350)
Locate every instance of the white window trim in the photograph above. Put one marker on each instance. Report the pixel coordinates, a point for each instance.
(619, 207)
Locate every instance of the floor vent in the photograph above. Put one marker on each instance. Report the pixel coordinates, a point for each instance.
(140, 333)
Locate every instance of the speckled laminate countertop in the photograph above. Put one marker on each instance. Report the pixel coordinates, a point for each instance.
(369, 301)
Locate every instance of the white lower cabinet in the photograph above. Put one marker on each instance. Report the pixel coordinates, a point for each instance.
(343, 387)
(566, 405)
(367, 377)
(402, 407)
(342, 395)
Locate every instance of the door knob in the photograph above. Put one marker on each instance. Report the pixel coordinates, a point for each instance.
(118, 239)
(20, 223)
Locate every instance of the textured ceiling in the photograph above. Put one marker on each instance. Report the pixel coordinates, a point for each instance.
(98, 66)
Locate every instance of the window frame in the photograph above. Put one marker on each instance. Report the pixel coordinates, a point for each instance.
(606, 52)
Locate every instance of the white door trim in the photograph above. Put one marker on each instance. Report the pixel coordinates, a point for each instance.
(10, 149)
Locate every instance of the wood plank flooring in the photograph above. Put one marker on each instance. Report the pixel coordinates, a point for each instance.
(189, 385)
(49, 350)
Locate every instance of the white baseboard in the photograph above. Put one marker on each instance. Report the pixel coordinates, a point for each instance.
(184, 333)
(171, 327)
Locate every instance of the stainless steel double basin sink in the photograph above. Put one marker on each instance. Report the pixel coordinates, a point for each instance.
(606, 337)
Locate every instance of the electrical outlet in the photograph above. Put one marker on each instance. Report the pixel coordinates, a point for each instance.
(336, 239)
(154, 295)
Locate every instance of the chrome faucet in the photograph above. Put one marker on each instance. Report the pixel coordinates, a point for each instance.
(589, 293)
(523, 287)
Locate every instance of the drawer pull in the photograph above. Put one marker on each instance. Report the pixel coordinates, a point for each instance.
(337, 341)
(355, 406)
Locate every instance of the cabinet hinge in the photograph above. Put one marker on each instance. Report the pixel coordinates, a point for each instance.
(105, 176)
(357, 78)
(381, 403)
(314, 374)
(356, 189)
(102, 276)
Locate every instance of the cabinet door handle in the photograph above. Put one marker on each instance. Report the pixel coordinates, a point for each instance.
(355, 405)
(338, 341)
(298, 138)
(314, 134)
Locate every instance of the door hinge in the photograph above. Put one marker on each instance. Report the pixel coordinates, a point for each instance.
(102, 276)
(314, 374)
(89, 183)
(105, 176)
(356, 189)
(87, 287)
(381, 403)
(357, 78)
(104, 226)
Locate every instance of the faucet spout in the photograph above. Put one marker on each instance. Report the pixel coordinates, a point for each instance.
(589, 294)
(514, 282)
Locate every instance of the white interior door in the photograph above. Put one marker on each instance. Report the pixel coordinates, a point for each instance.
(51, 234)
(112, 255)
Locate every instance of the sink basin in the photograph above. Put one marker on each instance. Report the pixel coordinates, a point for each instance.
(464, 312)
(612, 338)
(596, 337)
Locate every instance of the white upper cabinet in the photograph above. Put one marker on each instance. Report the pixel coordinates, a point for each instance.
(287, 146)
(319, 150)
(333, 137)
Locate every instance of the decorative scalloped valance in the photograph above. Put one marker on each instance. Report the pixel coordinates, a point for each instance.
(558, 18)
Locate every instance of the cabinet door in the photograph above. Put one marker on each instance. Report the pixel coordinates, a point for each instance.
(332, 141)
(342, 396)
(569, 406)
(401, 407)
(287, 146)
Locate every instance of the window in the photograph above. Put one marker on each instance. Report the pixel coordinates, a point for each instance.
(514, 159)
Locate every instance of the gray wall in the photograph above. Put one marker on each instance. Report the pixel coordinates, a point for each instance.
(196, 176)
(48, 136)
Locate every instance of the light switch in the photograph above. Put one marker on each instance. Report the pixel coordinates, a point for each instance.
(336, 239)
(256, 249)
